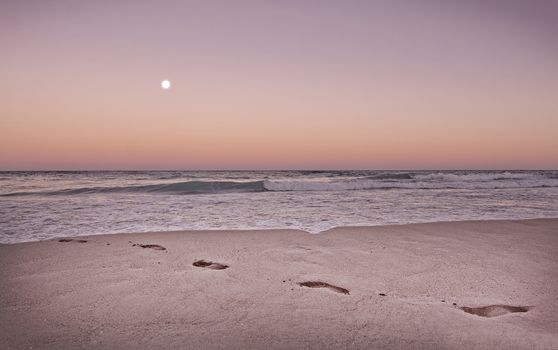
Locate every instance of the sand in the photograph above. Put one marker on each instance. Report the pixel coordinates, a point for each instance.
(459, 285)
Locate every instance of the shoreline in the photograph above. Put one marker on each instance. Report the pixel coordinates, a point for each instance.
(452, 285)
(336, 228)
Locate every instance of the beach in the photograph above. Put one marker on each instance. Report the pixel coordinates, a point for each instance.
(279, 175)
(411, 286)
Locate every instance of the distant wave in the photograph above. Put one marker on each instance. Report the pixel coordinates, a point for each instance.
(422, 180)
(395, 180)
(391, 176)
(188, 187)
(477, 177)
(373, 185)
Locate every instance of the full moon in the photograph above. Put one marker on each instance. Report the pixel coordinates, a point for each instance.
(165, 84)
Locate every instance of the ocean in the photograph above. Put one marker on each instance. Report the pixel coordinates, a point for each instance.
(37, 205)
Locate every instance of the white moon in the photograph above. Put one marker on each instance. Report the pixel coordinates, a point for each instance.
(165, 84)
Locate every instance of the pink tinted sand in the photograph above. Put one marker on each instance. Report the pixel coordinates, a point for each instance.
(401, 282)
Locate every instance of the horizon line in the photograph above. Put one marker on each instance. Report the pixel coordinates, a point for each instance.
(255, 169)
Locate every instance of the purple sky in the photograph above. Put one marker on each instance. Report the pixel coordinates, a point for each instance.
(278, 84)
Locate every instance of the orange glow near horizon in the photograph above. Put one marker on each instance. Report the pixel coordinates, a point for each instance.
(81, 89)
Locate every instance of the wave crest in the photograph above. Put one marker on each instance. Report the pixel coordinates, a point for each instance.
(188, 187)
(385, 180)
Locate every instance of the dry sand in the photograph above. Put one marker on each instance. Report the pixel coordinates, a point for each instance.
(388, 287)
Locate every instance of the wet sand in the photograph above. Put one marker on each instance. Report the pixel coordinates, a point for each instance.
(456, 285)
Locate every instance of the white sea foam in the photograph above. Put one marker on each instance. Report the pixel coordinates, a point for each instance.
(478, 176)
(420, 181)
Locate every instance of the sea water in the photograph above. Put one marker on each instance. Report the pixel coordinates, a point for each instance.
(43, 205)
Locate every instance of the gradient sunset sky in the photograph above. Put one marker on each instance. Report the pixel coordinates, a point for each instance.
(279, 84)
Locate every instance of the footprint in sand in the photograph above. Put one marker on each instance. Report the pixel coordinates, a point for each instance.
(318, 284)
(494, 310)
(65, 240)
(210, 265)
(152, 246)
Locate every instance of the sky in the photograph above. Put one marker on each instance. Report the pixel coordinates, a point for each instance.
(278, 84)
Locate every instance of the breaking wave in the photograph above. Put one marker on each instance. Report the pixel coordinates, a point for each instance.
(370, 185)
(387, 180)
(188, 187)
